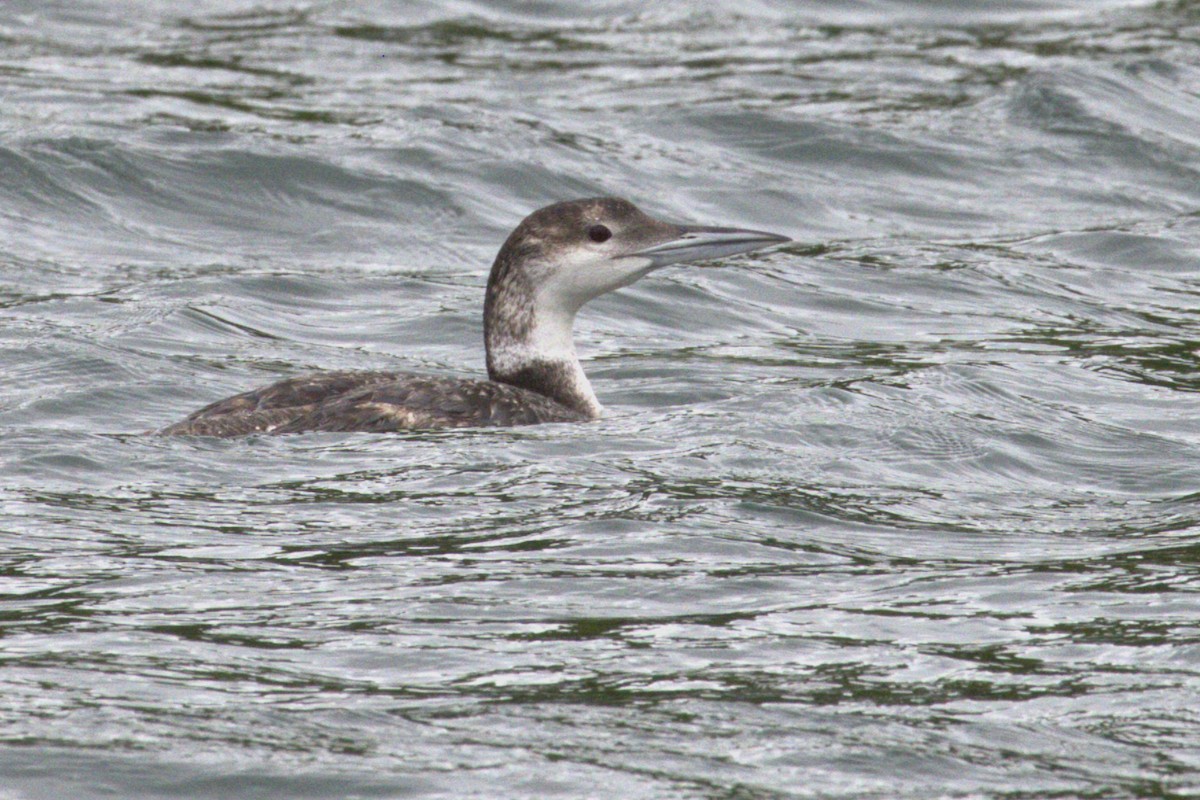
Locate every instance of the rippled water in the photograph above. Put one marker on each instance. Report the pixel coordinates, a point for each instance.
(909, 508)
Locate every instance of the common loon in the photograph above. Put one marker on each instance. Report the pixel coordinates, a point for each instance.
(557, 259)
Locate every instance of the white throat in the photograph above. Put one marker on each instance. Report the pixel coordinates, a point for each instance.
(547, 346)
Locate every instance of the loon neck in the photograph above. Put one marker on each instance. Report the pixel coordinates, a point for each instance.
(531, 344)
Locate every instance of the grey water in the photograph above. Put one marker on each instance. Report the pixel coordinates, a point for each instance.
(908, 508)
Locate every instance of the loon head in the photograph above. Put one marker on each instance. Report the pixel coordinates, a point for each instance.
(566, 254)
(569, 253)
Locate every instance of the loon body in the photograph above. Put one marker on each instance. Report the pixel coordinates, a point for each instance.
(557, 259)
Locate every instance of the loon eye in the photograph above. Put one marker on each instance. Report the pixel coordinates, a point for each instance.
(599, 233)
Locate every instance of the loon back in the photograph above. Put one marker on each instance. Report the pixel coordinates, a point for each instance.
(376, 402)
(557, 259)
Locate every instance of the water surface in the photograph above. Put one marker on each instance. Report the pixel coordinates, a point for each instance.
(907, 508)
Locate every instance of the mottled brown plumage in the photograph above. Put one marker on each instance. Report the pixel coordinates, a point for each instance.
(557, 259)
(379, 402)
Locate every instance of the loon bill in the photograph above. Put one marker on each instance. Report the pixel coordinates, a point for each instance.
(557, 259)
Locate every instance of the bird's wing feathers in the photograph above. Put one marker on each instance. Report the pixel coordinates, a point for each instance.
(372, 401)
